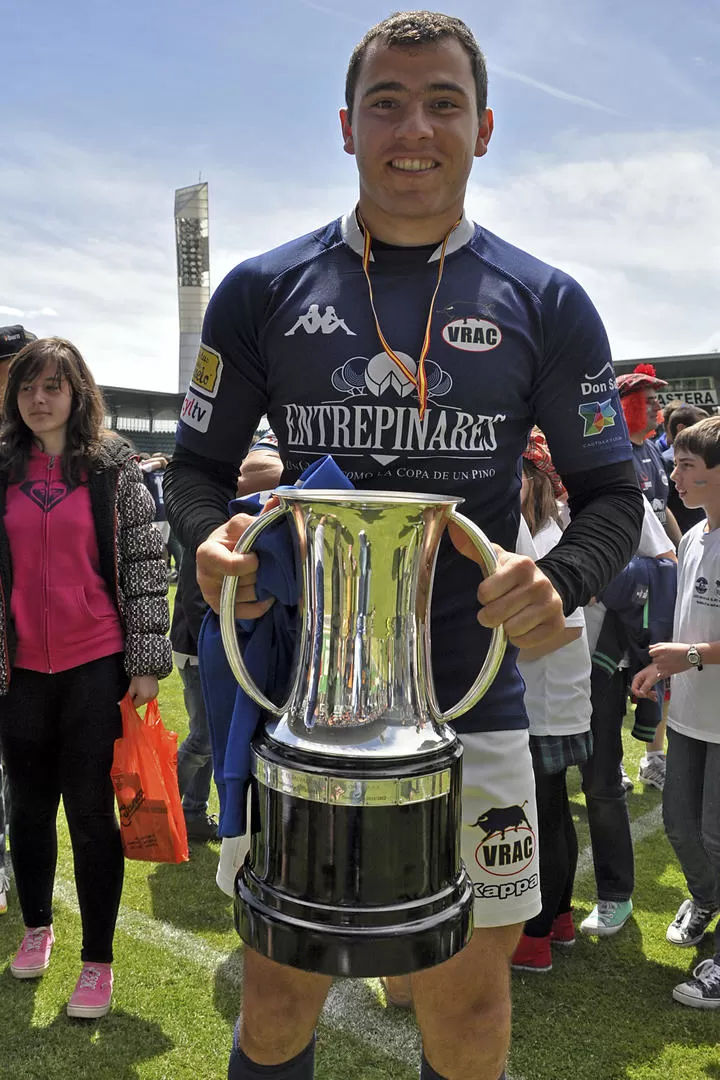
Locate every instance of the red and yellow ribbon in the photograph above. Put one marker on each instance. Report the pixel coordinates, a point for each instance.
(419, 380)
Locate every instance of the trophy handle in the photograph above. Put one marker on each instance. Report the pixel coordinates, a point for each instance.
(227, 615)
(496, 650)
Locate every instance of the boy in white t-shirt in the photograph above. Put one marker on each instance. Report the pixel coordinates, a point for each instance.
(691, 799)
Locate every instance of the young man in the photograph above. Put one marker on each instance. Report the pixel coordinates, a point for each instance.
(691, 799)
(638, 394)
(489, 341)
(681, 417)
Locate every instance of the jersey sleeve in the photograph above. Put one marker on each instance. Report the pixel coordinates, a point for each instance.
(575, 399)
(227, 395)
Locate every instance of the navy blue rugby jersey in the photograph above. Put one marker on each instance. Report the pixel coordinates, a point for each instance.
(290, 334)
(652, 477)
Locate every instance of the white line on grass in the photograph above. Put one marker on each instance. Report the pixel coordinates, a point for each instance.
(640, 829)
(150, 931)
(352, 1003)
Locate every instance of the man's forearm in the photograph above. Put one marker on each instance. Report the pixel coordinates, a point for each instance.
(197, 492)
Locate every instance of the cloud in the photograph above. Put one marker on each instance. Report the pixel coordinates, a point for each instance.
(92, 239)
(640, 230)
(48, 312)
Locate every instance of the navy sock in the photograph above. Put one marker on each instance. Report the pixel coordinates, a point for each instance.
(301, 1067)
(428, 1073)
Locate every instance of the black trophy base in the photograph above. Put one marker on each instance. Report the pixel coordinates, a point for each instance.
(355, 891)
(300, 935)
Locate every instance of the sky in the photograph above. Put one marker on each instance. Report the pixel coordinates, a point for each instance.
(605, 159)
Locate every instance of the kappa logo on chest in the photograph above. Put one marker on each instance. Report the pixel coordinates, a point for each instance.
(327, 323)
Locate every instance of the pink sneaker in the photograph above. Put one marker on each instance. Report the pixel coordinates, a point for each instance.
(33, 957)
(93, 992)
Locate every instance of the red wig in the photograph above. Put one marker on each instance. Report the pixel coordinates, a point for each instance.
(635, 409)
(632, 389)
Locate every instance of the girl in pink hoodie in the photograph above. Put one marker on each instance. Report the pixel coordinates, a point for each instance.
(83, 618)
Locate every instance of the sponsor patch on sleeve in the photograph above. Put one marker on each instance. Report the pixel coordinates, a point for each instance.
(597, 415)
(196, 412)
(208, 371)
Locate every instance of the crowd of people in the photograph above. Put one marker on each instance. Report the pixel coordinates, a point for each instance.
(603, 589)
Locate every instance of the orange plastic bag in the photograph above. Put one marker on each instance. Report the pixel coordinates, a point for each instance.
(144, 775)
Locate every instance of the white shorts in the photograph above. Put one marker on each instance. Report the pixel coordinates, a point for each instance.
(499, 842)
(499, 834)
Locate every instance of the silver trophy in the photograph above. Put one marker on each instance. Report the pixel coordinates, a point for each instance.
(354, 865)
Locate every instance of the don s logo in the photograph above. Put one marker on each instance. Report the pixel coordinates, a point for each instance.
(496, 853)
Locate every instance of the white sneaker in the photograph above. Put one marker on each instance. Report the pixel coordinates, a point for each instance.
(652, 770)
(703, 990)
(4, 890)
(690, 924)
(625, 779)
(607, 917)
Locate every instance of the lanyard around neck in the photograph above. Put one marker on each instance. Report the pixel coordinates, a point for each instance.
(419, 381)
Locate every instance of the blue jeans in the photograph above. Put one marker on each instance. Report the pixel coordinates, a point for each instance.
(605, 796)
(195, 754)
(691, 813)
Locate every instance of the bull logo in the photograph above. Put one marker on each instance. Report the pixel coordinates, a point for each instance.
(500, 819)
(501, 856)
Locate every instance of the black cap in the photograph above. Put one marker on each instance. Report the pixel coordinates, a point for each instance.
(12, 339)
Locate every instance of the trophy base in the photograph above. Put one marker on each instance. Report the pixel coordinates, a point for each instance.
(354, 871)
(353, 943)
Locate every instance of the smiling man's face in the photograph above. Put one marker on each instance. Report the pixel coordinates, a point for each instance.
(414, 132)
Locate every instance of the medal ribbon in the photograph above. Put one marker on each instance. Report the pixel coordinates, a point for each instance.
(419, 381)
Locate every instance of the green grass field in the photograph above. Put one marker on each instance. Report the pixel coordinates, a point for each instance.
(604, 1013)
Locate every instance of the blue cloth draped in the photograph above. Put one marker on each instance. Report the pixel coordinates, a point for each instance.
(267, 645)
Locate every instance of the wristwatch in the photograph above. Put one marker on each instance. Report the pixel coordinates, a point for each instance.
(694, 657)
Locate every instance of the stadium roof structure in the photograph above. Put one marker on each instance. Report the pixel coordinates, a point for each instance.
(147, 418)
(691, 366)
(124, 400)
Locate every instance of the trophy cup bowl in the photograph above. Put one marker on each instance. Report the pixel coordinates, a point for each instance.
(354, 865)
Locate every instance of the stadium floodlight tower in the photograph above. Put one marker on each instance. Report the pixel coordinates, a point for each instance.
(193, 264)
